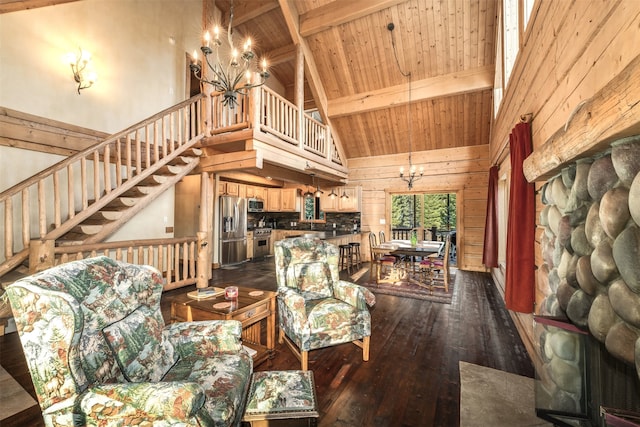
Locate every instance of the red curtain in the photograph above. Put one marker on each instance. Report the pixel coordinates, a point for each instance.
(490, 251)
(520, 280)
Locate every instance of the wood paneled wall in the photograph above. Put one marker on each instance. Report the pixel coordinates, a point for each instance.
(570, 51)
(463, 171)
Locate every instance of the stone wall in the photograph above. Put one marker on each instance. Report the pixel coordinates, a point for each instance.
(591, 247)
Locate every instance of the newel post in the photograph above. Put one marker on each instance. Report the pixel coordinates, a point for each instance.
(203, 266)
(41, 255)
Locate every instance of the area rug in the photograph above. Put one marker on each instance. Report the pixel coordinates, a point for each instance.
(489, 397)
(404, 288)
(13, 397)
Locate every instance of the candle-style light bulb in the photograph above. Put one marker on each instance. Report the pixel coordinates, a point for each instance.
(216, 32)
(194, 58)
(247, 45)
(401, 170)
(234, 57)
(264, 64)
(207, 38)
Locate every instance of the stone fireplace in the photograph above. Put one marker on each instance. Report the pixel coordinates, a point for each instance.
(591, 260)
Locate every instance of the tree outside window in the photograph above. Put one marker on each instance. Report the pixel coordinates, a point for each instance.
(424, 210)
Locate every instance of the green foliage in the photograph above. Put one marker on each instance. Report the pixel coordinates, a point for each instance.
(424, 210)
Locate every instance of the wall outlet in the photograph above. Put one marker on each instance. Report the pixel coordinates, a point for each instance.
(383, 221)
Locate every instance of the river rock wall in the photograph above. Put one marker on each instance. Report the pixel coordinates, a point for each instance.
(591, 247)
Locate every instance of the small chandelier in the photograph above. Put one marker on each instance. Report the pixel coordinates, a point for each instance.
(229, 66)
(414, 174)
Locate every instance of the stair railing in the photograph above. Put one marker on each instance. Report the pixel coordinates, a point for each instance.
(53, 201)
(175, 258)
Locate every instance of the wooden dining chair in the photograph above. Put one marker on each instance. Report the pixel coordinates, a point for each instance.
(382, 237)
(382, 262)
(440, 268)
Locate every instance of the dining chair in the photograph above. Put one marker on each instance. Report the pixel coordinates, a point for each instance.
(438, 268)
(382, 237)
(384, 262)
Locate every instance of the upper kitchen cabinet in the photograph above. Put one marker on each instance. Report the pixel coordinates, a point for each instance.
(256, 192)
(231, 189)
(351, 203)
(282, 200)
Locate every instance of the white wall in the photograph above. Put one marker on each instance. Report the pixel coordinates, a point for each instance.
(139, 53)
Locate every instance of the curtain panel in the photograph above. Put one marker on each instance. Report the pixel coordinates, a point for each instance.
(490, 249)
(520, 275)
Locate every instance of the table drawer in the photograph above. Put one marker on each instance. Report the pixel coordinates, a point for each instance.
(261, 310)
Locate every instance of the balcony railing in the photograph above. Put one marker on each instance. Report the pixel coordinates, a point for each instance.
(266, 111)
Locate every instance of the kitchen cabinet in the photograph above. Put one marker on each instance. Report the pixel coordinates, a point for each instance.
(338, 204)
(289, 200)
(274, 200)
(231, 189)
(256, 192)
(282, 200)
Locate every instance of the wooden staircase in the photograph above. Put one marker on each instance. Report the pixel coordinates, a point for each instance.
(86, 197)
(122, 208)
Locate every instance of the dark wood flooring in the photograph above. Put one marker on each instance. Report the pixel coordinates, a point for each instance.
(412, 377)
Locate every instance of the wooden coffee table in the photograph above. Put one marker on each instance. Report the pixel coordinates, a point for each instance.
(255, 308)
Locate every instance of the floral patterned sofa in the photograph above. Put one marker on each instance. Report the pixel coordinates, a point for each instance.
(100, 355)
(315, 308)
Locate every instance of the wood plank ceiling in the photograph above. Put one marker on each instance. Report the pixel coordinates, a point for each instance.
(448, 46)
(352, 76)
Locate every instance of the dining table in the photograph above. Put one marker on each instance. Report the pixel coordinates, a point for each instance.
(421, 249)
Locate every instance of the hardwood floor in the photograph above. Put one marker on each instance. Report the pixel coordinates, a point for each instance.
(412, 377)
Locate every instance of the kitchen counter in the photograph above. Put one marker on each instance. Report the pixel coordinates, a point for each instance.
(322, 235)
(337, 238)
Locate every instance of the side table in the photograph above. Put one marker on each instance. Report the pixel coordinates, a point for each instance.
(255, 308)
(281, 395)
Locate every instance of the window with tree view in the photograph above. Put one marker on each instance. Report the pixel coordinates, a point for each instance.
(433, 212)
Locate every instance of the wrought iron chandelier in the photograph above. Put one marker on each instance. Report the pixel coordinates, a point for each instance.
(413, 173)
(228, 65)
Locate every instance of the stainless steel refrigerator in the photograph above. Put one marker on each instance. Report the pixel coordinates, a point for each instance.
(233, 230)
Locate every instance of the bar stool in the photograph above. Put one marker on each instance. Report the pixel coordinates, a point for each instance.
(346, 257)
(355, 252)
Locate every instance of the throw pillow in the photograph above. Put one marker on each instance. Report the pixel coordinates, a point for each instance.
(139, 347)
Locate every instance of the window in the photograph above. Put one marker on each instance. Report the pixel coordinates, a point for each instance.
(511, 36)
(503, 213)
(514, 17)
(433, 212)
(311, 211)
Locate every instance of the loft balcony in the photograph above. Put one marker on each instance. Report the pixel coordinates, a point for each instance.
(268, 136)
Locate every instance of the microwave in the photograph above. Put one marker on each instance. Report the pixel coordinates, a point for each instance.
(255, 205)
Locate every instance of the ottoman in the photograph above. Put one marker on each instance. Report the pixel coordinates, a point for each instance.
(281, 395)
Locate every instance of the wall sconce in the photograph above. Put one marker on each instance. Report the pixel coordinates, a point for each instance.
(82, 69)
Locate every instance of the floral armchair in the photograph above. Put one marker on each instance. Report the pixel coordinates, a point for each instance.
(315, 308)
(100, 354)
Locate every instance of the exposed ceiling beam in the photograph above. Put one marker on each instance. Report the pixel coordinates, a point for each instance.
(336, 13)
(466, 81)
(246, 11)
(292, 18)
(281, 55)
(7, 6)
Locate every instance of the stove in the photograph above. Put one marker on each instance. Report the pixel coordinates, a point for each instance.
(262, 231)
(261, 242)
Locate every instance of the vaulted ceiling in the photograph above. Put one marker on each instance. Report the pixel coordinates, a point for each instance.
(352, 75)
(353, 78)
